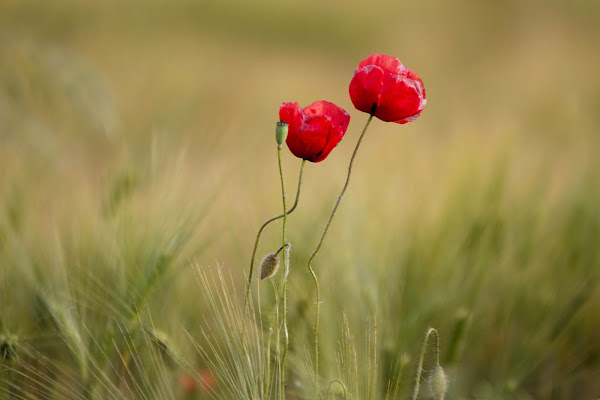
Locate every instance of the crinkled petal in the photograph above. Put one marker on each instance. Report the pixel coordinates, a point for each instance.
(314, 137)
(387, 63)
(336, 115)
(365, 87)
(409, 119)
(315, 130)
(383, 86)
(338, 120)
(335, 136)
(295, 143)
(418, 85)
(292, 114)
(400, 98)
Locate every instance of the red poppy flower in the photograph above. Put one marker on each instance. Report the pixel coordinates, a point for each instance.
(208, 381)
(382, 86)
(204, 382)
(187, 383)
(315, 130)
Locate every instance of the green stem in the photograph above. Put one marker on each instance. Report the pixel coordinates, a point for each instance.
(430, 332)
(285, 327)
(312, 272)
(285, 274)
(273, 325)
(277, 330)
(260, 230)
(274, 321)
(268, 380)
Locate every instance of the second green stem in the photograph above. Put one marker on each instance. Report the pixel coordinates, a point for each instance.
(310, 268)
(285, 275)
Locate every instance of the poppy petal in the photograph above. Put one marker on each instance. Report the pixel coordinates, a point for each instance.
(382, 86)
(409, 119)
(387, 63)
(335, 136)
(336, 115)
(365, 87)
(314, 137)
(399, 99)
(315, 130)
(294, 143)
(292, 114)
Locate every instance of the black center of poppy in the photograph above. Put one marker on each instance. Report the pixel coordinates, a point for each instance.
(373, 108)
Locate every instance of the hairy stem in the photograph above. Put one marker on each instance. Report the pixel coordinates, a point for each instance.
(285, 274)
(260, 230)
(310, 268)
(430, 332)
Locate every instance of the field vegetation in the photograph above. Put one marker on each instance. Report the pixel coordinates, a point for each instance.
(137, 161)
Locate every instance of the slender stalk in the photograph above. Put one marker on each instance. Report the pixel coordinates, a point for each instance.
(268, 380)
(312, 272)
(284, 277)
(260, 230)
(277, 330)
(281, 248)
(430, 332)
(285, 327)
(274, 321)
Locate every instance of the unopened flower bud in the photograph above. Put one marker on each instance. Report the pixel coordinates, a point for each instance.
(269, 266)
(281, 132)
(438, 383)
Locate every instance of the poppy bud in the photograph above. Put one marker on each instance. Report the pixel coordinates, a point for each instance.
(438, 383)
(269, 266)
(281, 132)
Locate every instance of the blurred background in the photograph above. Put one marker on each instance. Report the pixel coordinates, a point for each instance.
(137, 139)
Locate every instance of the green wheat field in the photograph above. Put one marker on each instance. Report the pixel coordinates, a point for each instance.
(138, 160)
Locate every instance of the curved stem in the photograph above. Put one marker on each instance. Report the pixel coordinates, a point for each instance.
(340, 383)
(260, 230)
(281, 248)
(284, 277)
(430, 332)
(312, 272)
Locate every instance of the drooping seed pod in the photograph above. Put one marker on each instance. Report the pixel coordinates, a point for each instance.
(438, 383)
(269, 266)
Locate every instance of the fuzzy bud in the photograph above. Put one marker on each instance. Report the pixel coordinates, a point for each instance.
(438, 383)
(281, 132)
(269, 266)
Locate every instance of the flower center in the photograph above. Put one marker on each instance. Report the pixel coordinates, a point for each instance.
(373, 108)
